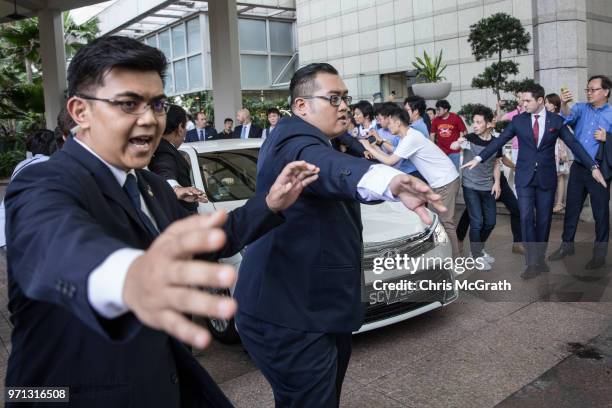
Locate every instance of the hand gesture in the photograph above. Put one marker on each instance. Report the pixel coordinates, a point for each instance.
(566, 96)
(596, 173)
(600, 134)
(471, 164)
(496, 190)
(159, 287)
(415, 195)
(289, 184)
(190, 194)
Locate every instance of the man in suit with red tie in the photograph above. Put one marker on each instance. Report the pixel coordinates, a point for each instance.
(536, 177)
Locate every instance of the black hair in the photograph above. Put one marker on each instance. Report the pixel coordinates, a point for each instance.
(93, 61)
(418, 104)
(176, 116)
(228, 120)
(430, 109)
(65, 122)
(366, 108)
(303, 81)
(483, 111)
(42, 141)
(605, 82)
(386, 108)
(555, 100)
(536, 90)
(443, 103)
(402, 115)
(273, 110)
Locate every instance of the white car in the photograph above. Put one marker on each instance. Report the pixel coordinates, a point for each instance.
(226, 170)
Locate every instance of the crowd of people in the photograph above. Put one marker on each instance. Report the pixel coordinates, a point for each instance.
(106, 259)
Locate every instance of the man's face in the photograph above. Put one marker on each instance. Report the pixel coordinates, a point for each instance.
(331, 120)
(126, 141)
(412, 114)
(382, 120)
(596, 95)
(480, 125)
(530, 104)
(394, 125)
(273, 119)
(228, 124)
(441, 112)
(240, 117)
(200, 120)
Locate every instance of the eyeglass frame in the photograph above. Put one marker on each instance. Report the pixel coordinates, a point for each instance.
(592, 90)
(119, 103)
(346, 98)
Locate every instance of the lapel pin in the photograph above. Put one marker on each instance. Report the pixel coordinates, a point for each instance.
(149, 191)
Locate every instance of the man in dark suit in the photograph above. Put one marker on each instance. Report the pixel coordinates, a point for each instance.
(247, 129)
(169, 163)
(202, 131)
(100, 275)
(300, 286)
(536, 177)
(227, 132)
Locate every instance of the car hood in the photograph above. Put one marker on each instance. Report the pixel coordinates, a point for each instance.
(381, 222)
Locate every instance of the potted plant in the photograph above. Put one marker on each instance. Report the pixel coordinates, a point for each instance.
(429, 72)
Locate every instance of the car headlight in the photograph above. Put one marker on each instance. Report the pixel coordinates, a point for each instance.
(439, 234)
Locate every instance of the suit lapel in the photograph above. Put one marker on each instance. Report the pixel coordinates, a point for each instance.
(151, 201)
(107, 182)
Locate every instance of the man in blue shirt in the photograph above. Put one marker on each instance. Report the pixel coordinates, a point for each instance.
(591, 121)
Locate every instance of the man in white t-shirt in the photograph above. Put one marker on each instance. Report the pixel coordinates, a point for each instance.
(435, 166)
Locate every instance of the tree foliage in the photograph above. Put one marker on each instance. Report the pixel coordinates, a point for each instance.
(491, 37)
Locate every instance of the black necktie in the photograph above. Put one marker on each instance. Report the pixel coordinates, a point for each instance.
(131, 188)
(201, 134)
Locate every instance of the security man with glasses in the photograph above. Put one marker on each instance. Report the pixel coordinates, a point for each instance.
(299, 292)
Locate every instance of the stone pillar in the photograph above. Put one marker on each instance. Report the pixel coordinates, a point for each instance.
(225, 59)
(53, 55)
(560, 45)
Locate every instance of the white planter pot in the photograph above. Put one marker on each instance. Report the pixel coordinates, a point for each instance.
(432, 90)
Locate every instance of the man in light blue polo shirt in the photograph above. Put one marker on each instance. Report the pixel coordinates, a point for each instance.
(590, 121)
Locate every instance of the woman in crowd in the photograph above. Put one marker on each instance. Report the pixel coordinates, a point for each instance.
(364, 116)
(562, 155)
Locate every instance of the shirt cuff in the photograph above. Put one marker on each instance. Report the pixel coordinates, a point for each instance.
(173, 183)
(478, 159)
(105, 283)
(374, 185)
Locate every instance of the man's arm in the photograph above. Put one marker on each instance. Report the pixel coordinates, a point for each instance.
(389, 160)
(495, 145)
(579, 152)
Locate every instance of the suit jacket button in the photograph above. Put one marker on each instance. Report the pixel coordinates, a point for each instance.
(174, 378)
(345, 172)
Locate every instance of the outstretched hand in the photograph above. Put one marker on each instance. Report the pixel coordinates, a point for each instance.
(290, 184)
(471, 164)
(596, 173)
(415, 195)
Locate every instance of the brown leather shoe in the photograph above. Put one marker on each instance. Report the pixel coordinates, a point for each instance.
(518, 248)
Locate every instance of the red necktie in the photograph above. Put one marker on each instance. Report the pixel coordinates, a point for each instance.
(536, 130)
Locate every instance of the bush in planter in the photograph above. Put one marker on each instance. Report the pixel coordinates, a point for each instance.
(430, 70)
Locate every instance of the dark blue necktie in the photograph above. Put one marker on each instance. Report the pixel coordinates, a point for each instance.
(131, 188)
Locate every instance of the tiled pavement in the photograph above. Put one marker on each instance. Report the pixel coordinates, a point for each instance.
(473, 353)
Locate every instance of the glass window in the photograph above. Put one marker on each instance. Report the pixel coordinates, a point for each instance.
(281, 37)
(194, 39)
(180, 76)
(254, 71)
(164, 43)
(196, 74)
(178, 41)
(278, 63)
(169, 81)
(152, 41)
(252, 35)
(229, 175)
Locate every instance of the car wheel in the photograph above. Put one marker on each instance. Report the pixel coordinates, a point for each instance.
(223, 330)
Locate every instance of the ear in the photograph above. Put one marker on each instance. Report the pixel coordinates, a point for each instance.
(80, 111)
(300, 107)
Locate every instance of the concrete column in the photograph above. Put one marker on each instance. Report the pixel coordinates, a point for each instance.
(53, 55)
(225, 59)
(560, 45)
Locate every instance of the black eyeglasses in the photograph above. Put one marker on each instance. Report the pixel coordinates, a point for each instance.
(334, 100)
(134, 106)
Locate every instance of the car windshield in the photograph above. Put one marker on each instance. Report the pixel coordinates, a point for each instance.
(229, 175)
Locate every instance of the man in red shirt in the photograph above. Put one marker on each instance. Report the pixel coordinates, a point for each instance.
(447, 127)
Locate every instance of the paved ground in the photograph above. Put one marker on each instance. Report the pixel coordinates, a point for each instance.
(522, 352)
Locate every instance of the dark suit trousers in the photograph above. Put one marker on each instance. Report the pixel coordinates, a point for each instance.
(509, 199)
(304, 369)
(535, 205)
(580, 184)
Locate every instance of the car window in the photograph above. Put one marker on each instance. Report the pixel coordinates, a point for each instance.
(229, 175)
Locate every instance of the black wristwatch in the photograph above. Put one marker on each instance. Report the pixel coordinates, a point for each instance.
(379, 143)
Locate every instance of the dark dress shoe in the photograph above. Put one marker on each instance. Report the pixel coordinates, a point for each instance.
(543, 267)
(531, 272)
(561, 253)
(595, 263)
